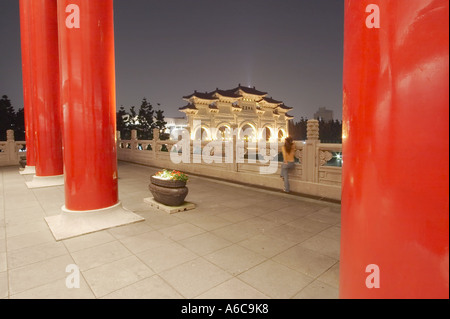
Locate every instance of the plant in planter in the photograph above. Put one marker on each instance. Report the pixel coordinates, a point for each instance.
(171, 175)
(169, 187)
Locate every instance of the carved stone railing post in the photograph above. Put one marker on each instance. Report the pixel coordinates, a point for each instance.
(310, 168)
(155, 141)
(134, 135)
(10, 136)
(11, 148)
(312, 130)
(134, 140)
(156, 134)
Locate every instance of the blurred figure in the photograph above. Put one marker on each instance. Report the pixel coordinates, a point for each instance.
(289, 161)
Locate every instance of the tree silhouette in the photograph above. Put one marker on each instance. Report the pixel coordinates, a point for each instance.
(298, 130)
(143, 121)
(132, 122)
(7, 116)
(19, 125)
(160, 124)
(122, 118)
(329, 132)
(145, 124)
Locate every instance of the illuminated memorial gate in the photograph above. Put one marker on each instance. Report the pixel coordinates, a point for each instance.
(246, 109)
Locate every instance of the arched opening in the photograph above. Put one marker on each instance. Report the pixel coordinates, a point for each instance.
(282, 135)
(267, 134)
(202, 134)
(247, 133)
(223, 133)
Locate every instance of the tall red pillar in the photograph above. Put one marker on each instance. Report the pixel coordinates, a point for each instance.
(45, 89)
(86, 35)
(25, 37)
(395, 189)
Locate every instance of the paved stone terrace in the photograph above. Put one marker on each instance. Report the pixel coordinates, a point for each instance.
(239, 243)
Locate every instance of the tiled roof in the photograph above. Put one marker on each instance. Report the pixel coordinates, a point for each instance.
(289, 117)
(248, 90)
(233, 93)
(227, 93)
(271, 101)
(203, 96)
(284, 107)
(188, 107)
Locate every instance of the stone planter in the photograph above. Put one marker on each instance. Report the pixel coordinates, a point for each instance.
(168, 192)
(167, 183)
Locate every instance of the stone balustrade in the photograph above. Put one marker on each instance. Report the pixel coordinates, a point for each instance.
(11, 150)
(317, 172)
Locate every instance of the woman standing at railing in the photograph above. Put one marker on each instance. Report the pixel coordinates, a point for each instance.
(289, 161)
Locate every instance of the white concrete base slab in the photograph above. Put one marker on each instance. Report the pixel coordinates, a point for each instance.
(169, 209)
(28, 170)
(71, 224)
(46, 181)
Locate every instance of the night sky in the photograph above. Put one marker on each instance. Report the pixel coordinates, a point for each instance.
(292, 49)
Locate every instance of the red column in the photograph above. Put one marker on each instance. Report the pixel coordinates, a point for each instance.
(45, 88)
(25, 16)
(88, 100)
(395, 202)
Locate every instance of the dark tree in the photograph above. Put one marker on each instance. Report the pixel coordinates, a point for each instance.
(298, 130)
(330, 132)
(19, 125)
(336, 131)
(160, 124)
(132, 122)
(7, 117)
(122, 119)
(145, 120)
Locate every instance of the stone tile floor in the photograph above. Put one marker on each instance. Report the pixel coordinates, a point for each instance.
(239, 243)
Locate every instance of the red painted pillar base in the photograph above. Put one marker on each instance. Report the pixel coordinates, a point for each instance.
(86, 35)
(395, 202)
(28, 170)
